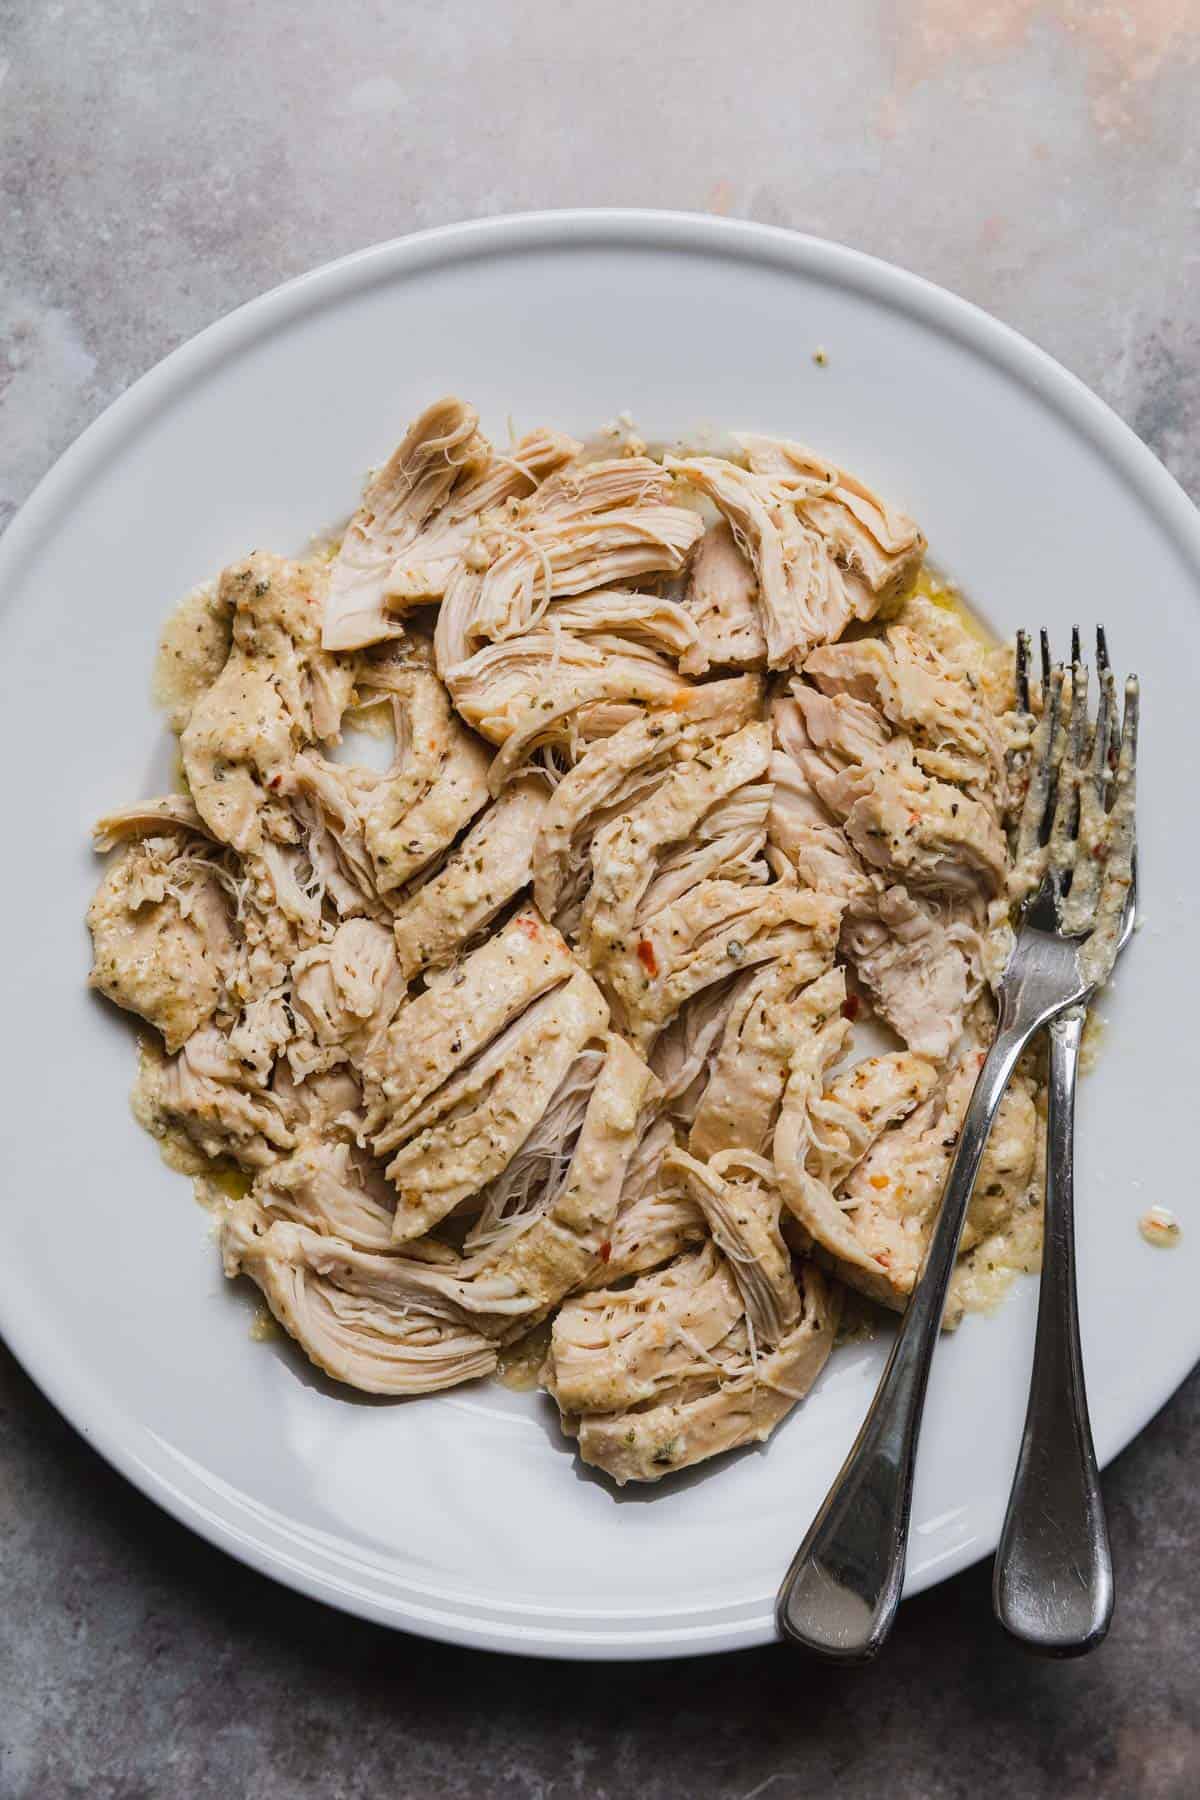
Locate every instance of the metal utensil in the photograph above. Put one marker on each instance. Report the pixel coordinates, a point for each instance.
(841, 1592)
(1052, 1582)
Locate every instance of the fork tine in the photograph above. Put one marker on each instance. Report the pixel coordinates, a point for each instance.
(1023, 671)
(1060, 859)
(1044, 753)
(1076, 652)
(1119, 865)
(1080, 907)
(1112, 745)
(1115, 730)
(1045, 664)
(1102, 736)
(1124, 787)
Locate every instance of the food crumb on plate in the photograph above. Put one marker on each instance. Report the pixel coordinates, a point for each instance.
(1160, 1227)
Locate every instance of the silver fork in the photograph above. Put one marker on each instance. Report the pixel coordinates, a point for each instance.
(1055, 1525)
(841, 1592)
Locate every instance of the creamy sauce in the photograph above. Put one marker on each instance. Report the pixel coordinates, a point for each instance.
(1092, 1042)
(215, 1187)
(931, 586)
(174, 1146)
(520, 1363)
(985, 1274)
(191, 653)
(264, 1326)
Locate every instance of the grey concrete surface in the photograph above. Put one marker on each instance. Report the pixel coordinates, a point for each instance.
(160, 163)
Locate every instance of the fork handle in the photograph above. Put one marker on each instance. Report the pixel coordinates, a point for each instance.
(841, 1593)
(1052, 1586)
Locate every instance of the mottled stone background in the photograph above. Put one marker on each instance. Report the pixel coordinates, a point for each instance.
(163, 160)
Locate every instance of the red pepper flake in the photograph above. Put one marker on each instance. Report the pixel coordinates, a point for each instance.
(528, 924)
(605, 1250)
(851, 1006)
(275, 781)
(647, 958)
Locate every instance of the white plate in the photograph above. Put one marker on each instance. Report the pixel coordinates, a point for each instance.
(466, 1517)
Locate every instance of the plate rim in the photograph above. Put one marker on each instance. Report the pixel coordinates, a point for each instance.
(101, 1422)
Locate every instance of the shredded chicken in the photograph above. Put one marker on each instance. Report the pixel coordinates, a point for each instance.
(662, 1385)
(823, 548)
(547, 1014)
(595, 526)
(614, 773)
(886, 1202)
(419, 514)
(722, 597)
(207, 1096)
(403, 818)
(546, 687)
(162, 936)
(346, 992)
(490, 867)
(277, 691)
(360, 1317)
(741, 1099)
(654, 1221)
(332, 1188)
(469, 1130)
(457, 1015)
(891, 791)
